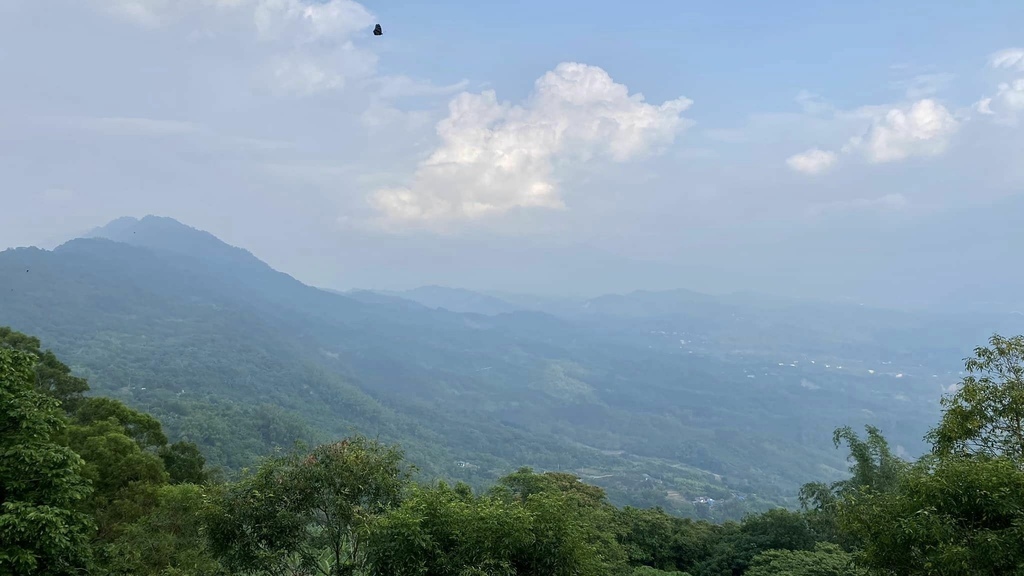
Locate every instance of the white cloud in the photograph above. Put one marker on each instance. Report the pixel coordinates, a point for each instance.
(922, 129)
(311, 46)
(495, 157)
(1008, 101)
(1012, 58)
(813, 161)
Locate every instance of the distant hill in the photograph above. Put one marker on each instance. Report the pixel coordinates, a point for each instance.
(659, 397)
(457, 300)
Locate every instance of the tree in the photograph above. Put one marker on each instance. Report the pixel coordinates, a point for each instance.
(41, 485)
(440, 531)
(125, 478)
(986, 414)
(776, 529)
(184, 463)
(309, 511)
(585, 508)
(143, 428)
(646, 536)
(960, 510)
(873, 468)
(529, 525)
(826, 559)
(169, 541)
(960, 516)
(51, 376)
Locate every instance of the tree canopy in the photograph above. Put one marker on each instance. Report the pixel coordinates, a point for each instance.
(95, 486)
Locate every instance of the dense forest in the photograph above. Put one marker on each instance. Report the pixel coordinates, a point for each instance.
(91, 486)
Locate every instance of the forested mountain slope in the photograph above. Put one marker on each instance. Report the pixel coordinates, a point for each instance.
(238, 357)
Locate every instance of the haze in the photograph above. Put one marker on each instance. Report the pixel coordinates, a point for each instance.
(867, 151)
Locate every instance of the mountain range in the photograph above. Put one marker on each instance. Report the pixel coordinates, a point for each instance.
(661, 397)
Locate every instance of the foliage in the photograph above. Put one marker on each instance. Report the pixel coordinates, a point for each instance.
(51, 376)
(586, 507)
(308, 511)
(98, 486)
(184, 463)
(959, 511)
(449, 532)
(826, 559)
(124, 476)
(774, 530)
(961, 516)
(41, 485)
(648, 571)
(169, 541)
(548, 528)
(873, 468)
(142, 428)
(986, 414)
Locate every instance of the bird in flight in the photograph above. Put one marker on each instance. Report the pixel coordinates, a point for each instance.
(377, 31)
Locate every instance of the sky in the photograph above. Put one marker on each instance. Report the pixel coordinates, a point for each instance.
(842, 150)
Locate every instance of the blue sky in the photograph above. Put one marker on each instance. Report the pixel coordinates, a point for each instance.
(806, 148)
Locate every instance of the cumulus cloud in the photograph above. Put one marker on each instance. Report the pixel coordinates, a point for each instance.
(922, 129)
(495, 157)
(813, 161)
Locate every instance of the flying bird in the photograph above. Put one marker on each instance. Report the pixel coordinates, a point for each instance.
(377, 31)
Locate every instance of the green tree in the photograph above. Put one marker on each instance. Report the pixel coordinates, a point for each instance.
(440, 531)
(986, 414)
(169, 541)
(125, 477)
(309, 511)
(51, 376)
(960, 510)
(41, 485)
(184, 463)
(873, 468)
(585, 508)
(647, 537)
(960, 516)
(142, 428)
(777, 529)
(826, 559)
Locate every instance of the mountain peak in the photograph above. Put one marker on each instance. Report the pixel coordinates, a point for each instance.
(169, 235)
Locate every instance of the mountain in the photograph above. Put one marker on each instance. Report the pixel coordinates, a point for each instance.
(457, 300)
(757, 325)
(623, 390)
